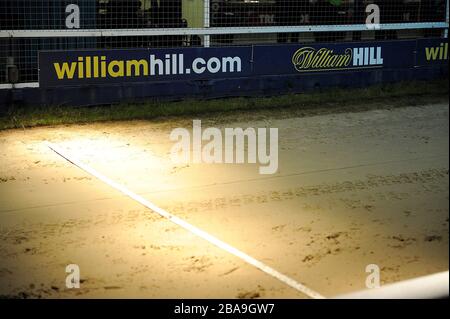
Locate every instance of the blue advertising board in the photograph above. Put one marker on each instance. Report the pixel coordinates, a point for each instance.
(124, 67)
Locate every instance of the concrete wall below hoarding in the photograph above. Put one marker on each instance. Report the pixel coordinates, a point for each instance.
(249, 86)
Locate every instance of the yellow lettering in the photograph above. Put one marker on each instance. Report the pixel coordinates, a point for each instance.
(118, 65)
(310, 58)
(95, 66)
(88, 67)
(80, 68)
(103, 65)
(65, 70)
(431, 53)
(137, 66)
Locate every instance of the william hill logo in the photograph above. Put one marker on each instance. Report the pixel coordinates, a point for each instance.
(324, 59)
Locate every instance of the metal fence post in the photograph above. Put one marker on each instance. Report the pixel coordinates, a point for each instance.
(446, 20)
(206, 22)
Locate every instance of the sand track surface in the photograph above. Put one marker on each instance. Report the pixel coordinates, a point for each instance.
(352, 189)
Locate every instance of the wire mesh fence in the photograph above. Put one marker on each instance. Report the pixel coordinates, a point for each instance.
(28, 26)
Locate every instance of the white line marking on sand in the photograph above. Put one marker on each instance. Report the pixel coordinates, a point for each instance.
(182, 223)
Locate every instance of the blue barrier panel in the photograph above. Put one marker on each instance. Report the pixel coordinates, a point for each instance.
(87, 67)
(226, 72)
